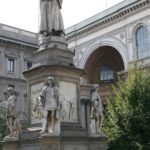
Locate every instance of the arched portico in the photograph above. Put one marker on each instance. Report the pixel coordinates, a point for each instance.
(101, 67)
(107, 56)
(112, 42)
(103, 64)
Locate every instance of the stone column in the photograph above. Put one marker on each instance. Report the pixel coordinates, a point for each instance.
(85, 97)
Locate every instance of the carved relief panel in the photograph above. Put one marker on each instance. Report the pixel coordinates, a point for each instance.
(36, 104)
(68, 97)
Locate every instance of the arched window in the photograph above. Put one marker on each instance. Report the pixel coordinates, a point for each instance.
(106, 73)
(142, 42)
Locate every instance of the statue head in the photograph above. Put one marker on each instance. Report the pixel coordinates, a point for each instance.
(95, 87)
(10, 90)
(50, 81)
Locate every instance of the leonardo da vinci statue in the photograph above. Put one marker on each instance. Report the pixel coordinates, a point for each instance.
(51, 22)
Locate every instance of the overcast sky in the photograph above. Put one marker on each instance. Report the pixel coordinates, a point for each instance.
(24, 13)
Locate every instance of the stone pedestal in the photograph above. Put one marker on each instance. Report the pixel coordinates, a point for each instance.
(53, 51)
(52, 42)
(53, 58)
(11, 145)
(66, 78)
(92, 126)
(49, 142)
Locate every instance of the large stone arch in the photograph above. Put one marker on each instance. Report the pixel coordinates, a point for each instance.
(113, 42)
(105, 54)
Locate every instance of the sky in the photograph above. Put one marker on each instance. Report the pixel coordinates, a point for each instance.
(24, 14)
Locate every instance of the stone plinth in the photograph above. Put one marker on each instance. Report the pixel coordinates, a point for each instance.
(66, 78)
(49, 142)
(52, 42)
(73, 130)
(11, 145)
(53, 51)
(85, 92)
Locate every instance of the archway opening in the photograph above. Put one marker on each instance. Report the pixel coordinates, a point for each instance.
(102, 67)
(103, 64)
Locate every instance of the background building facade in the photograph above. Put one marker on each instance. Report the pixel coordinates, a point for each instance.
(16, 48)
(110, 41)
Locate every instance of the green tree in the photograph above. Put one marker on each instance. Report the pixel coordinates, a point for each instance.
(3, 128)
(127, 120)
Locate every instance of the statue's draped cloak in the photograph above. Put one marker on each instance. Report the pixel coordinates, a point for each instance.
(97, 105)
(49, 95)
(50, 16)
(11, 107)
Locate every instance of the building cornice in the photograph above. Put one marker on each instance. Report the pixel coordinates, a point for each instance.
(5, 40)
(3, 78)
(18, 36)
(80, 30)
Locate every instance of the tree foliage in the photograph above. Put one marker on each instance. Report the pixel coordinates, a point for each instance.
(127, 121)
(3, 128)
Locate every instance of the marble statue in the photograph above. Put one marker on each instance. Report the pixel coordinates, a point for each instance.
(51, 106)
(51, 22)
(96, 109)
(13, 123)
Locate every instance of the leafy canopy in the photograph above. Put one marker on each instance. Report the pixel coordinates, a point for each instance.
(127, 120)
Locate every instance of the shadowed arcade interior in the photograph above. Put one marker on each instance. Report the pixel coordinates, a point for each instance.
(102, 67)
(103, 64)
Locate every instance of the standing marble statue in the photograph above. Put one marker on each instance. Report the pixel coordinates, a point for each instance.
(12, 121)
(49, 95)
(96, 109)
(51, 22)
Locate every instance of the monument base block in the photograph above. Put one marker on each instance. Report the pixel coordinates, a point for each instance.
(53, 51)
(48, 142)
(11, 145)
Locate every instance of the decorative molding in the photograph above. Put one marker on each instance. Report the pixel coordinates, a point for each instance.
(108, 20)
(13, 79)
(113, 42)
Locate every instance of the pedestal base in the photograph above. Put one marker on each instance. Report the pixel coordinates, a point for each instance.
(53, 42)
(49, 142)
(53, 51)
(10, 145)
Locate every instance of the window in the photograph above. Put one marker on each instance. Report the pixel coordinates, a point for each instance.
(106, 74)
(11, 65)
(29, 64)
(142, 42)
